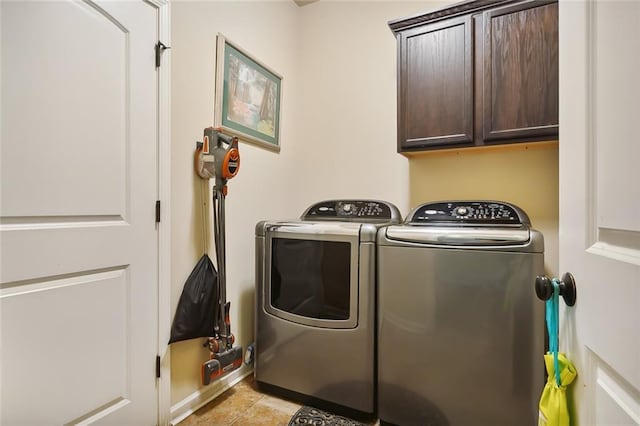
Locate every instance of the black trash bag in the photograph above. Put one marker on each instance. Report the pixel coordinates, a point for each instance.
(198, 306)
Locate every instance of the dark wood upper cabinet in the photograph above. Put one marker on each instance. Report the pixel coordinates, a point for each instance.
(478, 72)
(435, 85)
(520, 76)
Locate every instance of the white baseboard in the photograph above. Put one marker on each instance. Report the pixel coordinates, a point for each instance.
(203, 396)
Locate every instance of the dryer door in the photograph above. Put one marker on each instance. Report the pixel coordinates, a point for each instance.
(311, 273)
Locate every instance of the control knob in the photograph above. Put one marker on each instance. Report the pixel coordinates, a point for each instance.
(462, 211)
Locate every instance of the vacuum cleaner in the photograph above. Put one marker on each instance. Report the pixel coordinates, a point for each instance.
(217, 157)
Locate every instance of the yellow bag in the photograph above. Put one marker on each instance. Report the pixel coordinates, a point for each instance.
(553, 409)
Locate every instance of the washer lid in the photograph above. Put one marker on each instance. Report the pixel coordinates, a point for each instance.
(461, 236)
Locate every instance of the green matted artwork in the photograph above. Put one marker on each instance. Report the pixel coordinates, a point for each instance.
(248, 96)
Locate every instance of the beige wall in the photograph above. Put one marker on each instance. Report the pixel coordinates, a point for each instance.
(338, 132)
(522, 174)
(264, 185)
(348, 101)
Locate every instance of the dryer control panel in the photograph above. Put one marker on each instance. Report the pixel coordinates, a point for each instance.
(352, 210)
(460, 213)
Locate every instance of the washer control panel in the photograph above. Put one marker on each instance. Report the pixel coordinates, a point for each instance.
(352, 210)
(454, 213)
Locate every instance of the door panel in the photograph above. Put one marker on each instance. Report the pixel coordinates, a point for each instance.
(600, 206)
(59, 112)
(95, 295)
(616, 99)
(78, 292)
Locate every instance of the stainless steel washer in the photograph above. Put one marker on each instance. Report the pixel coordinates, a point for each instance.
(315, 302)
(461, 332)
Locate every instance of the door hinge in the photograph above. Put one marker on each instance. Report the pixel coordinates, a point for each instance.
(157, 211)
(160, 48)
(157, 366)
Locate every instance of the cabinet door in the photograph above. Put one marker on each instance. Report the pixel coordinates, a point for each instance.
(520, 82)
(435, 103)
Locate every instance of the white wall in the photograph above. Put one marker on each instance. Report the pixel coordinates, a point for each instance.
(338, 134)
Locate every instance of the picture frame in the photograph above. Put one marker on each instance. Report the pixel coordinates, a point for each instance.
(248, 96)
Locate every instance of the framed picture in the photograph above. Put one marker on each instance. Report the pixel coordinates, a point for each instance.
(248, 96)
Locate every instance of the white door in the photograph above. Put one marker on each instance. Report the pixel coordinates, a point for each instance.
(600, 205)
(78, 292)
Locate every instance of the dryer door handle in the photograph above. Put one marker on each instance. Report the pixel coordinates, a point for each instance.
(315, 228)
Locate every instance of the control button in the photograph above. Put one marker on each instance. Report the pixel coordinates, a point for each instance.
(462, 211)
(347, 208)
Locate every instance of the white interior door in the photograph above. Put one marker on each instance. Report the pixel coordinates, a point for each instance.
(79, 245)
(600, 205)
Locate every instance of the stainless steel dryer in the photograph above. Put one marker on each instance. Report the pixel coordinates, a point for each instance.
(315, 302)
(461, 332)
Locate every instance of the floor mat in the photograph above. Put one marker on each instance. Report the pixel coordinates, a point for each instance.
(315, 417)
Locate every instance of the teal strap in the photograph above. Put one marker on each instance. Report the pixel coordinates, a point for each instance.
(553, 322)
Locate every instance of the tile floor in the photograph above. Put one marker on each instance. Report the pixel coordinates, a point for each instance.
(243, 405)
